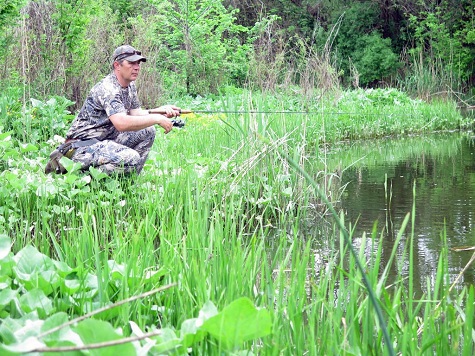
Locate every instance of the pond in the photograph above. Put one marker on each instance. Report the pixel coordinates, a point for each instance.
(385, 179)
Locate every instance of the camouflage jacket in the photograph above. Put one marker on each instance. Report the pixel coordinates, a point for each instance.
(106, 98)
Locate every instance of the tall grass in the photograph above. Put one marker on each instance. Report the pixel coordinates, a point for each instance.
(222, 211)
(431, 80)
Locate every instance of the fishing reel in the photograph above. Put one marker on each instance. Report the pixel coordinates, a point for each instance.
(178, 122)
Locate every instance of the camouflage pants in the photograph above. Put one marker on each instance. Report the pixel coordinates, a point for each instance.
(126, 154)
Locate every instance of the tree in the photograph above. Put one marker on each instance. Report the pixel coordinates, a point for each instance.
(198, 43)
(360, 46)
(9, 16)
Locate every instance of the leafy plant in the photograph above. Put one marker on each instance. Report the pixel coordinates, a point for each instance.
(199, 43)
(39, 121)
(49, 118)
(39, 294)
(374, 58)
(361, 44)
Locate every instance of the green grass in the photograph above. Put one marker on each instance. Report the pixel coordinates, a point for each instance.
(220, 213)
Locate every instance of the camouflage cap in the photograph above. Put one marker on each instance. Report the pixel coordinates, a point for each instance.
(129, 53)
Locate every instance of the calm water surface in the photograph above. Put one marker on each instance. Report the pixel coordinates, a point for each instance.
(385, 179)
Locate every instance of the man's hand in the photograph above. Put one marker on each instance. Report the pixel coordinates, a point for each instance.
(169, 110)
(166, 124)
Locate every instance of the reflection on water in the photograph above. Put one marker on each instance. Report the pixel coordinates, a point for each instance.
(385, 178)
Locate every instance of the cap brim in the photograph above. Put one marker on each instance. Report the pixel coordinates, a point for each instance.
(135, 58)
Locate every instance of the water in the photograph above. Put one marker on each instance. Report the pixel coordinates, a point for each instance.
(385, 179)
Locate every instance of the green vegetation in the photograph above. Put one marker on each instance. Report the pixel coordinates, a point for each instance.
(209, 248)
(63, 47)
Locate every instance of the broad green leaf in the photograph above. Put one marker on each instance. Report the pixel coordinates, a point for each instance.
(52, 322)
(87, 292)
(96, 331)
(6, 270)
(8, 326)
(46, 190)
(30, 260)
(116, 271)
(6, 296)
(48, 281)
(190, 330)
(287, 191)
(70, 166)
(90, 281)
(6, 136)
(72, 179)
(62, 337)
(208, 311)
(16, 330)
(10, 154)
(35, 269)
(107, 314)
(83, 182)
(97, 174)
(154, 276)
(71, 284)
(36, 103)
(26, 346)
(5, 246)
(4, 351)
(27, 147)
(62, 268)
(36, 300)
(240, 321)
(145, 344)
(166, 342)
(14, 180)
(5, 282)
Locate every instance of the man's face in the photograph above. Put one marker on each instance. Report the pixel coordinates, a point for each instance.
(129, 71)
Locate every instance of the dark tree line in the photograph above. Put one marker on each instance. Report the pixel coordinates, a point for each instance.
(441, 32)
(197, 47)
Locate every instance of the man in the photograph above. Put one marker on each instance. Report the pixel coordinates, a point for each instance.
(111, 132)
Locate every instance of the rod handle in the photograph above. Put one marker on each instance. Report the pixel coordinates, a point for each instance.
(163, 112)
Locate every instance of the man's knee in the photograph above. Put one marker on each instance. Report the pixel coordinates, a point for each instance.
(129, 157)
(150, 132)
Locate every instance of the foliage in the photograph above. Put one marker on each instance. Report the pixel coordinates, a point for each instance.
(366, 113)
(9, 15)
(72, 19)
(39, 121)
(219, 213)
(198, 43)
(9, 11)
(64, 47)
(39, 295)
(361, 50)
(374, 59)
(437, 37)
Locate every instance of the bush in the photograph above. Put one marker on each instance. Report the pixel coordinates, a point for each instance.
(374, 59)
(36, 121)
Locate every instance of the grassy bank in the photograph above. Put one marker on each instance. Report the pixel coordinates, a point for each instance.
(218, 220)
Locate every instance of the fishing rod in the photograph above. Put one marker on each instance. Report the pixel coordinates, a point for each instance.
(188, 111)
(181, 123)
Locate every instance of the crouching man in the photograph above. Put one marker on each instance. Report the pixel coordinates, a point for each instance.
(111, 132)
